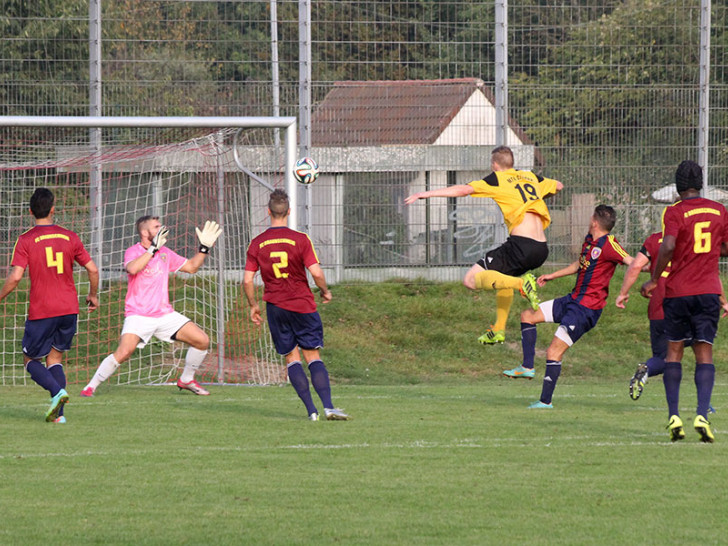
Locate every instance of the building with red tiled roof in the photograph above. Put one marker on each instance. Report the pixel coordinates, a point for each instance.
(409, 112)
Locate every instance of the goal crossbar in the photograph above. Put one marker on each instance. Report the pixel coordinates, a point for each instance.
(244, 122)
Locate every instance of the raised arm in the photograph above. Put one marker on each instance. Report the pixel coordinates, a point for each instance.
(452, 191)
(207, 237)
(570, 269)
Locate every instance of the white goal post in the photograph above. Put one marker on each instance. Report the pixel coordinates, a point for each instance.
(108, 171)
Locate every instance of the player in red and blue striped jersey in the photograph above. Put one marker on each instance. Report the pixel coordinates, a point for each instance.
(694, 236)
(577, 312)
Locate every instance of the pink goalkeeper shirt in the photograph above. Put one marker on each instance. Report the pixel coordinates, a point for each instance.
(148, 291)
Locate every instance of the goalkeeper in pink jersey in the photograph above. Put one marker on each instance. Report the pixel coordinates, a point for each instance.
(147, 309)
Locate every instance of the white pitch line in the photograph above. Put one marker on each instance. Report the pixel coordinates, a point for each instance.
(583, 441)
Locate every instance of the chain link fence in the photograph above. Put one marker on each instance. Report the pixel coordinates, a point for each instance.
(603, 95)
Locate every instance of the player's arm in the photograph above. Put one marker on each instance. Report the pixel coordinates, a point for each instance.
(249, 291)
(12, 281)
(320, 280)
(558, 186)
(664, 256)
(570, 269)
(194, 264)
(460, 190)
(633, 271)
(140, 262)
(92, 299)
(723, 300)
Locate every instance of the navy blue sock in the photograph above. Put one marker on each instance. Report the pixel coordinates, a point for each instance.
(320, 382)
(298, 379)
(528, 344)
(551, 376)
(655, 366)
(60, 377)
(704, 381)
(41, 375)
(671, 378)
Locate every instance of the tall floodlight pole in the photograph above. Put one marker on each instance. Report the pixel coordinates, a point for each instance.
(703, 118)
(95, 189)
(501, 71)
(304, 96)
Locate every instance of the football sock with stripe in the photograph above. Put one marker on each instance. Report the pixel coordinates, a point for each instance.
(60, 376)
(41, 375)
(551, 376)
(193, 361)
(299, 380)
(529, 335)
(104, 371)
(495, 280)
(704, 381)
(320, 382)
(655, 366)
(503, 302)
(671, 379)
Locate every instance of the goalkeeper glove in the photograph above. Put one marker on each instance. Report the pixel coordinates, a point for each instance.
(159, 239)
(208, 235)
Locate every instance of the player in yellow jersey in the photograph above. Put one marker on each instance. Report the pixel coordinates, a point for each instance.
(520, 197)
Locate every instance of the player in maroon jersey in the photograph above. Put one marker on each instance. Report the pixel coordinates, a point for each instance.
(694, 235)
(578, 312)
(283, 256)
(655, 365)
(48, 252)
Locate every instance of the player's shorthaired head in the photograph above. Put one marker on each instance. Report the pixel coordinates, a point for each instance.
(41, 203)
(689, 176)
(503, 156)
(278, 204)
(605, 216)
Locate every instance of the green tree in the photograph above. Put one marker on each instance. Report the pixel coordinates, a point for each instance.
(44, 52)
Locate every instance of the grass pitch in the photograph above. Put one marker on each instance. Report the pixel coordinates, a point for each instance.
(418, 464)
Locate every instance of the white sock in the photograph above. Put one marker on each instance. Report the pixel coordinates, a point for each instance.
(105, 370)
(193, 361)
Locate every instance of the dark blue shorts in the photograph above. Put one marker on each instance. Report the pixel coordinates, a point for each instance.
(692, 318)
(574, 319)
(516, 256)
(43, 334)
(290, 329)
(658, 338)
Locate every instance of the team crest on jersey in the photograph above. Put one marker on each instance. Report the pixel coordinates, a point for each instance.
(596, 252)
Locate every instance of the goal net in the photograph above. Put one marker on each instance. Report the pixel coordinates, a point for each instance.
(104, 178)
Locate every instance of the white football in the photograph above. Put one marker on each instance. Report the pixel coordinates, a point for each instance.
(306, 170)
